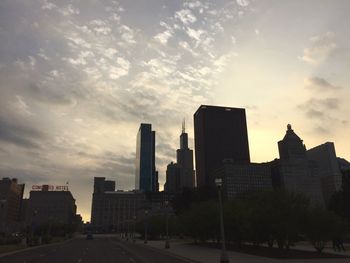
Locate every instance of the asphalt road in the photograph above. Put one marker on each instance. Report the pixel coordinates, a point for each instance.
(99, 250)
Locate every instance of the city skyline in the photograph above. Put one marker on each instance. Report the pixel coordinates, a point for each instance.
(78, 79)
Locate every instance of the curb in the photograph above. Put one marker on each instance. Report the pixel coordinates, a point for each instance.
(33, 248)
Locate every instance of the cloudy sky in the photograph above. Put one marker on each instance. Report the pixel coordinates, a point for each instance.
(78, 77)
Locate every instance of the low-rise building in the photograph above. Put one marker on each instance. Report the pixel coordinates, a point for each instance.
(240, 179)
(47, 206)
(117, 211)
(114, 210)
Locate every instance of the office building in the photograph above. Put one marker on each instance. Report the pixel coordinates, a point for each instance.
(220, 133)
(184, 159)
(11, 195)
(172, 178)
(180, 175)
(294, 171)
(102, 185)
(328, 168)
(146, 177)
(241, 179)
(114, 211)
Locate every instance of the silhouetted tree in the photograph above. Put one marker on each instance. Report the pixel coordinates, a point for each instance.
(339, 202)
(322, 225)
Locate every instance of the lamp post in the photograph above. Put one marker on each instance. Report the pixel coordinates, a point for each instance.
(33, 219)
(128, 229)
(223, 256)
(3, 215)
(167, 243)
(146, 214)
(133, 230)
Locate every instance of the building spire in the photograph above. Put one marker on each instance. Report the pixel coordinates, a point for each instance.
(183, 126)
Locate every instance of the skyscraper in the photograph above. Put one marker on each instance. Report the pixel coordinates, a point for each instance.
(328, 168)
(220, 133)
(184, 157)
(146, 177)
(294, 172)
(180, 175)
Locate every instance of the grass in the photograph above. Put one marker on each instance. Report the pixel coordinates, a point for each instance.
(9, 248)
(275, 252)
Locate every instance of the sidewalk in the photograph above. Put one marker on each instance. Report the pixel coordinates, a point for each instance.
(327, 249)
(212, 255)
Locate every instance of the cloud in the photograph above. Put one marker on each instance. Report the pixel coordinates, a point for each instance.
(127, 34)
(50, 95)
(185, 16)
(48, 5)
(321, 112)
(320, 84)
(164, 36)
(321, 48)
(21, 106)
(242, 3)
(19, 134)
(78, 78)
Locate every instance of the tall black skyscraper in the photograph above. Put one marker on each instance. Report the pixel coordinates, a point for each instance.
(220, 133)
(146, 175)
(184, 157)
(180, 175)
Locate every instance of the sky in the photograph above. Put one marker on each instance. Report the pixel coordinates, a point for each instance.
(78, 77)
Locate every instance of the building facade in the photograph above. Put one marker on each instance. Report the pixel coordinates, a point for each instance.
(11, 196)
(241, 179)
(220, 133)
(146, 176)
(294, 171)
(324, 156)
(114, 211)
(172, 178)
(117, 211)
(56, 207)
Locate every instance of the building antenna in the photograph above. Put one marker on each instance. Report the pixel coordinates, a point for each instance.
(183, 126)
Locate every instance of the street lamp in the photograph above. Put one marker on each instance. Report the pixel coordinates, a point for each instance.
(223, 256)
(167, 244)
(3, 216)
(128, 229)
(146, 214)
(33, 222)
(133, 232)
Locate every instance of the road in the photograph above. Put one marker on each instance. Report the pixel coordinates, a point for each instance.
(99, 250)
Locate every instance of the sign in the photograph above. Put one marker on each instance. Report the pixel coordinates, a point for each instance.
(47, 187)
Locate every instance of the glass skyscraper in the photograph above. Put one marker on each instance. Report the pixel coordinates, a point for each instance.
(146, 177)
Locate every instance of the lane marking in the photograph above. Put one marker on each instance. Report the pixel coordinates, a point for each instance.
(42, 255)
(79, 260)
(132, 260)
